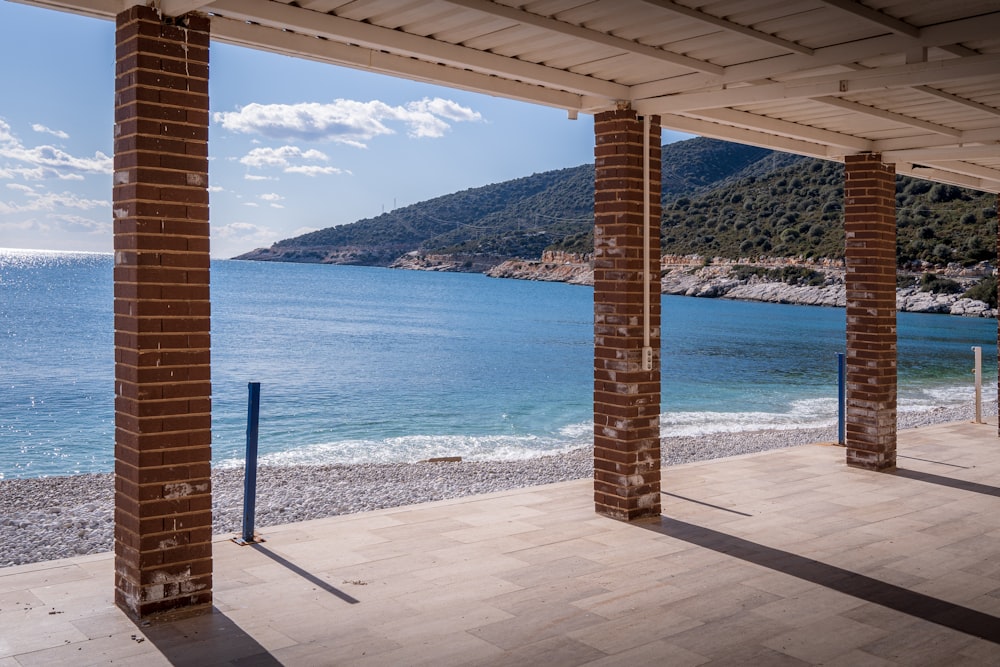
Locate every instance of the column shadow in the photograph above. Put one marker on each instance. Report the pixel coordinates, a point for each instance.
(305, 574)
(926, 607)
(208, 639)
(941, 480)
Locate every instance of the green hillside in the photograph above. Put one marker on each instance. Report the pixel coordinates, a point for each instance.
(513, 219)
(719, 199)
(797, 211)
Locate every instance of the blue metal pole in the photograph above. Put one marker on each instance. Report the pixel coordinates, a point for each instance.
(841, 397)
(250, 478)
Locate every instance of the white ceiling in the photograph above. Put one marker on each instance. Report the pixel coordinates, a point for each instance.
(916, 80)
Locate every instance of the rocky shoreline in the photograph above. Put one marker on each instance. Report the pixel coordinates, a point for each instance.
(750, 281)
(57, 517)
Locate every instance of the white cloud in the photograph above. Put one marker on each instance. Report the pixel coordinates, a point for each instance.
(216, 188)
(37, 127)
(50, 201)
(251, 203)
(20, 188)
(31, 225)
(345, 121)
(272, 198)
(279, 157)
(289, 159)
(245, 232)
(255, 177)
(41, 162)
(77, 223)
(314, 170)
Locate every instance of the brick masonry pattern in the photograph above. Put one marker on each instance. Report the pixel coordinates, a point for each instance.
(870, 258)
(626, 398)
(163, 520)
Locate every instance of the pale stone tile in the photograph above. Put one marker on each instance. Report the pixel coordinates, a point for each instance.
(102, 650)
(619, 635)
(824, 640)
(728, 634)
(780, 584)
(446, 597)
(924, 644)
(35, 575)
(416, 628)
(958, 587)
(553, 650)
(632, 601)
(34, 629)
(490, 531)
(454, 648)
(982, 651)
(105, 624)
(858, 658)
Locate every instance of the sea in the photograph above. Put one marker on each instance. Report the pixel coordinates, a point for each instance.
(361, 364)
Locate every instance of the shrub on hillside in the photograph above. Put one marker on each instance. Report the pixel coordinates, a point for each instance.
(985, 290)
(931, 282)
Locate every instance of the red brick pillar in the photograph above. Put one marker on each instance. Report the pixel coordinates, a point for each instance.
(163, 500)
(626, 396)
(870, 230)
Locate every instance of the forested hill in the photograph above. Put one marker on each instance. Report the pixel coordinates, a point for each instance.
(513, 219)
(720, 199)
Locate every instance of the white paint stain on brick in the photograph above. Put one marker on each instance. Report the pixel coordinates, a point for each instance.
(182, 489)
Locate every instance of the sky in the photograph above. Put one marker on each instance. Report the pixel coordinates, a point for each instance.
(294, 145)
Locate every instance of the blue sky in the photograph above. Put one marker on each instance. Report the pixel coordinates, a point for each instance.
(294, 145)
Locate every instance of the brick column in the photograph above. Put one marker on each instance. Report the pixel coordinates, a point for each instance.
(163, 501)
(626, 397)
(870, 253)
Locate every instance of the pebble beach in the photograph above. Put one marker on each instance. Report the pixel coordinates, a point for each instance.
(56, 517)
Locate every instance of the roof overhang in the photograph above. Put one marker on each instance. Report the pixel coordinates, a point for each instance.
(915, 80)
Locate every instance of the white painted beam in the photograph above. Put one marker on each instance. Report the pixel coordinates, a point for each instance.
(856, 107)
(950, 153)
(783, 128)
(874, 16)
(280, 17)
(881, 78)
(964, 168)
(181, 7)
(102, 9)
(972, 104)
(293, 44)
(593, 36)
(984, 27)
(730, 26)
(942, 176)
(988, 135)
(751, 137)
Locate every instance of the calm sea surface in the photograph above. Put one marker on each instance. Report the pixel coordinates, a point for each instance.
(365, 364)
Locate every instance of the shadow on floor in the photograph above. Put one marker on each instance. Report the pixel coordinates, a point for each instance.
(308, 576)
(956, 617)
(209, 639)
(941, 480)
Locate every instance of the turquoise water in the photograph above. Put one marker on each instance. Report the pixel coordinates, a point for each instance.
(366, 364)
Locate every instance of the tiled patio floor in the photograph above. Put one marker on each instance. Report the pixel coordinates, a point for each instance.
(787, 557)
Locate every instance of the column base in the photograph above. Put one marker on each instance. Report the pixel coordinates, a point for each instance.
(877, 462)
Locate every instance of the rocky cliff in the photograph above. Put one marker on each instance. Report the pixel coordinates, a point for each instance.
(811, 283)
(555, 266)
